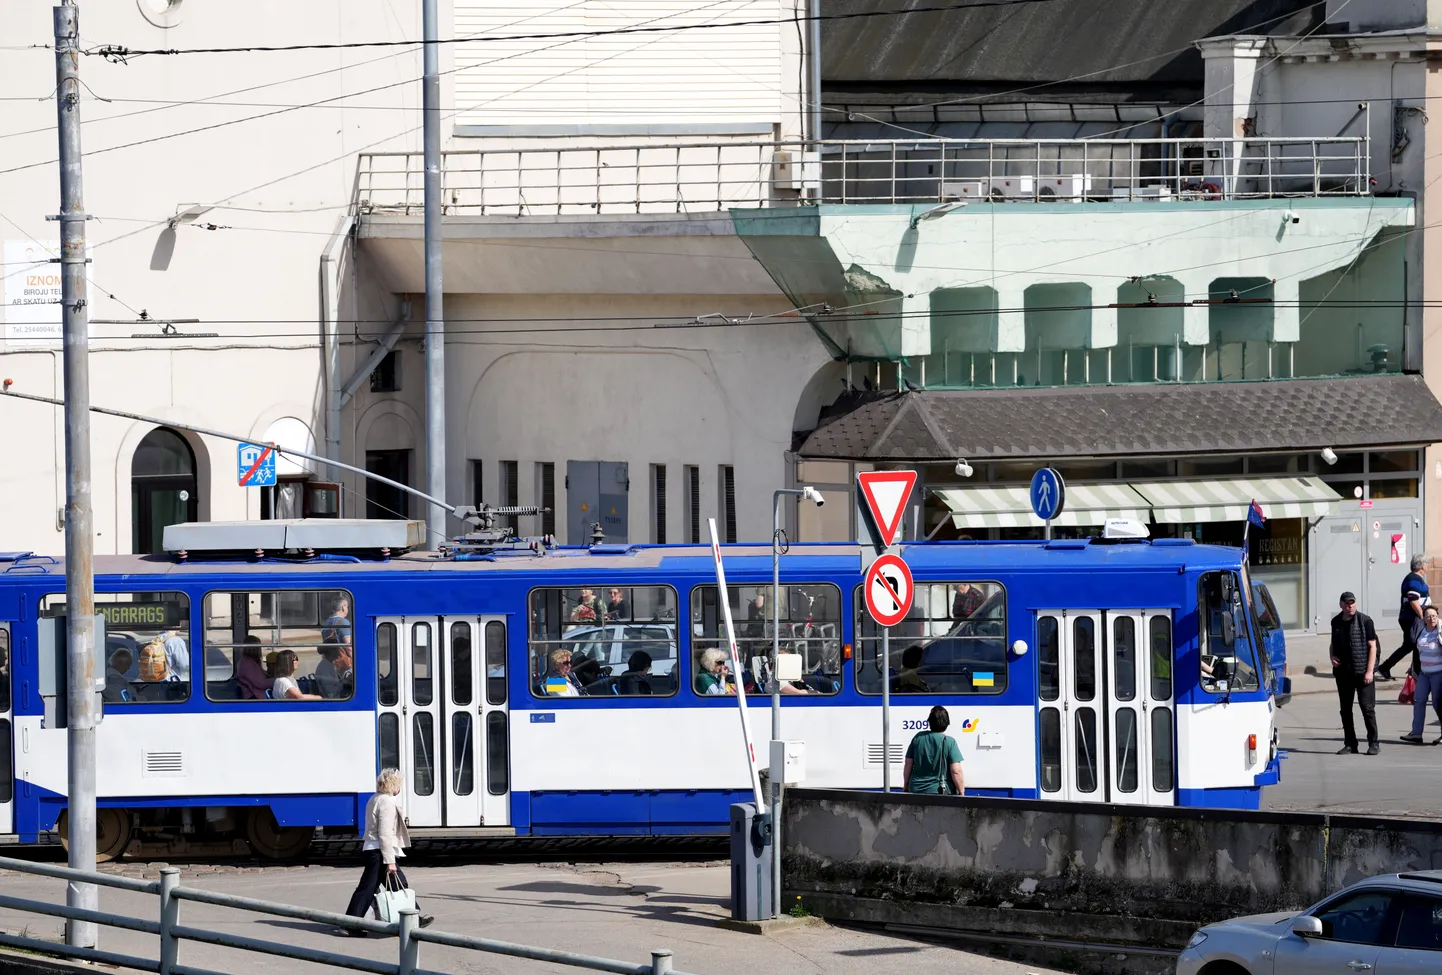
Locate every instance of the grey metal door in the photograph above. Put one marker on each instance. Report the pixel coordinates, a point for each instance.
(1392, 540)
(597, 494)
(1338, 559)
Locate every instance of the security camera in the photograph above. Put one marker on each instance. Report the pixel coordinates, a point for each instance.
(963, 469)
(811, 494)
(1329, 455)
(1290, 216)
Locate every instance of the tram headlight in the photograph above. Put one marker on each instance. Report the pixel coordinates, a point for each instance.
(1019, 648)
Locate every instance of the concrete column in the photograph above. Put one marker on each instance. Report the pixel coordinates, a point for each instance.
(1286, 314)
(1196, 319)
(1010, 316)
(916, 325)
(1231, 81)
(1104, 319)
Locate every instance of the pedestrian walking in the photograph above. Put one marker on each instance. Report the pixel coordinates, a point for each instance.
(386, 837)
(1428, 638)
(933, 759)
(1354, 655)
(1414, 599)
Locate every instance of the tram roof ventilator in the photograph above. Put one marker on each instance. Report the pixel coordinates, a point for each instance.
(303, 539)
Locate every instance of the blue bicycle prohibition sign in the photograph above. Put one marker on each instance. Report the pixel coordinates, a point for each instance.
(1048, 493)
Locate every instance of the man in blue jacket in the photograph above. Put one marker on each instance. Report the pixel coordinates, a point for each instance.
(1414, 597)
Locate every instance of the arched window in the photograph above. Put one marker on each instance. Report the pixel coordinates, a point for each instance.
(163, 488)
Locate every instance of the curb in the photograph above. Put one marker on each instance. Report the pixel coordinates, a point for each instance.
(775, 925)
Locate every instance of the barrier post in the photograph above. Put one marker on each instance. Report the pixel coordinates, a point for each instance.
(169, 920)
(660, 961)
(410, 948)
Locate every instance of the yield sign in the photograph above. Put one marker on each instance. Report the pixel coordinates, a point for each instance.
(886, 493)
(888, 589)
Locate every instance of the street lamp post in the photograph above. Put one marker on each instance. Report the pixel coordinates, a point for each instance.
(810, 494)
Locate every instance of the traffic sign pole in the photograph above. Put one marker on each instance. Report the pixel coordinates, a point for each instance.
(886, 709)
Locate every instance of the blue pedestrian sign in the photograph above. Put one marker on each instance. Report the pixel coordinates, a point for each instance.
(256, 465)
(1048, 493)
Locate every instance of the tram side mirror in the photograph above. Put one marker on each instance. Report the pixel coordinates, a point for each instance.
(54, 669)
(1229, 629)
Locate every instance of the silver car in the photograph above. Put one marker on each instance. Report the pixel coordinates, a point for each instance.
(1385, 925)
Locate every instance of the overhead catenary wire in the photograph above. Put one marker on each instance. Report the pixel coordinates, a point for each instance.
(120, 52)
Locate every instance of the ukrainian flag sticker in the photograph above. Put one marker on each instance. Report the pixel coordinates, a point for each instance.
(983, 678)
(556, 685)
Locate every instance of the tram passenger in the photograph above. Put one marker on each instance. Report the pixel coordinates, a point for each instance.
(285, 687)
(617, 608)
(116, 685)
(909, 681)
(177, 655)
(713, 673)
(589, 609)
(250, 672)
(336, 628)
(968, 600)
(335, 675)
(560, 681)
(636, 679)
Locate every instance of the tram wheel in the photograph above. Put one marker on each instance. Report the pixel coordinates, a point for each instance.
(112, 832)
(273, 841)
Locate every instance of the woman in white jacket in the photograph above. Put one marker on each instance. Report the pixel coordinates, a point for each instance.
(386, 837)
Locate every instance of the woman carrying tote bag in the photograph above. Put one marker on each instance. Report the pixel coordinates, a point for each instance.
(933, 759)
(386, 837)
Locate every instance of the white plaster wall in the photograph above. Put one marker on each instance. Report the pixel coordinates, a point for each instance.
(617, 390)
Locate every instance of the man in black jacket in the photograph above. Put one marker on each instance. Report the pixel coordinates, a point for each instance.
(1354, 655)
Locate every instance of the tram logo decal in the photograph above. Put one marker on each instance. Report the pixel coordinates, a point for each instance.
(970, 724)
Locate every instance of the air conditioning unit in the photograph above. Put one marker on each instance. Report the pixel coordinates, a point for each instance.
(1072, 189)
(971, 189)
(795, 170)
(1012, 187)
(1143, 193)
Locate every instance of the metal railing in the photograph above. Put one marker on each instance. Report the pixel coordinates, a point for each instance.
(711, 176)
(171, 932)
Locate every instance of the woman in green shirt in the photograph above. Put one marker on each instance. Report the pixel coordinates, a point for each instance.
(933, 759)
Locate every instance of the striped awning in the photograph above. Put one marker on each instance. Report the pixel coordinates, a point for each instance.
(1010, 507)
(1179, 502)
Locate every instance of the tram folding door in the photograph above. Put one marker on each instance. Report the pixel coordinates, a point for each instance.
(1106, 718)
(442, 717)
(7, 737)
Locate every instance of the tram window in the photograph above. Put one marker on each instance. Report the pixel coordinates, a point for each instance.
(1126, 736)
(1160, 630)
(4, 670)
(1124, 657)
(495, 662)
(422, 668)
(952, 642)
(147, 645)
(423, 735)
(463, 754)
(498, 778)
(390, 735)
(1048, 659)
(387, 681)
(1086, 750)
(1050, 750)
(1224, 668)
(7, 773)
(461, 677)
(599, 641)
(1084, 656)
(1162, 772)
(245, 633)
(810, 626)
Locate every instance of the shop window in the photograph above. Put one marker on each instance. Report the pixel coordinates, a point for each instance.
(1398, 487)
(1392, 462)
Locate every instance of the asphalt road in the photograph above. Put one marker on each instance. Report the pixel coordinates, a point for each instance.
(1405, 780)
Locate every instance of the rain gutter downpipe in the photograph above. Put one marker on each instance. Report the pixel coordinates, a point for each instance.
(330, 333)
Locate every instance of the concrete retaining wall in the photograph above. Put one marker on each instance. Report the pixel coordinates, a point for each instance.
(1113, 876)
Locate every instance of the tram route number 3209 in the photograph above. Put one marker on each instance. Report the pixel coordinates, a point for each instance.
(919, 725)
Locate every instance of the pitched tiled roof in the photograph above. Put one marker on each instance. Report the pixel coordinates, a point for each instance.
(1109, 421)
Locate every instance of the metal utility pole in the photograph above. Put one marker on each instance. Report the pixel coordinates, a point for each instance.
(814, 39)
(79, 529)
(435, 319)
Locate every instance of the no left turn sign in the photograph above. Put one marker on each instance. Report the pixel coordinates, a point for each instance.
(888, 590)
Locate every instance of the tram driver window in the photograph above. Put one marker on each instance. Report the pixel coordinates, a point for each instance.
(810, 626)
(299, 641)
(147, 645)
(952, 642)
(603, 641)
(1225, 668)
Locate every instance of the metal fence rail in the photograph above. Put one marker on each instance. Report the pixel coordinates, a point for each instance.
(709, 176)
(171, 933)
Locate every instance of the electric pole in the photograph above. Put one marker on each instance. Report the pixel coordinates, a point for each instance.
(79, 530)
(435, 319)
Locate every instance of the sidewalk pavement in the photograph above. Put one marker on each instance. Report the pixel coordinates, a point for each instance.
(1309, 661)
(620, 911)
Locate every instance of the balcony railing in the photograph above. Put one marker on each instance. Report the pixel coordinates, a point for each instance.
(712, 176)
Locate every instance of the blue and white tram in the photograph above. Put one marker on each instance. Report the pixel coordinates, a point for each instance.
(570, 692)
